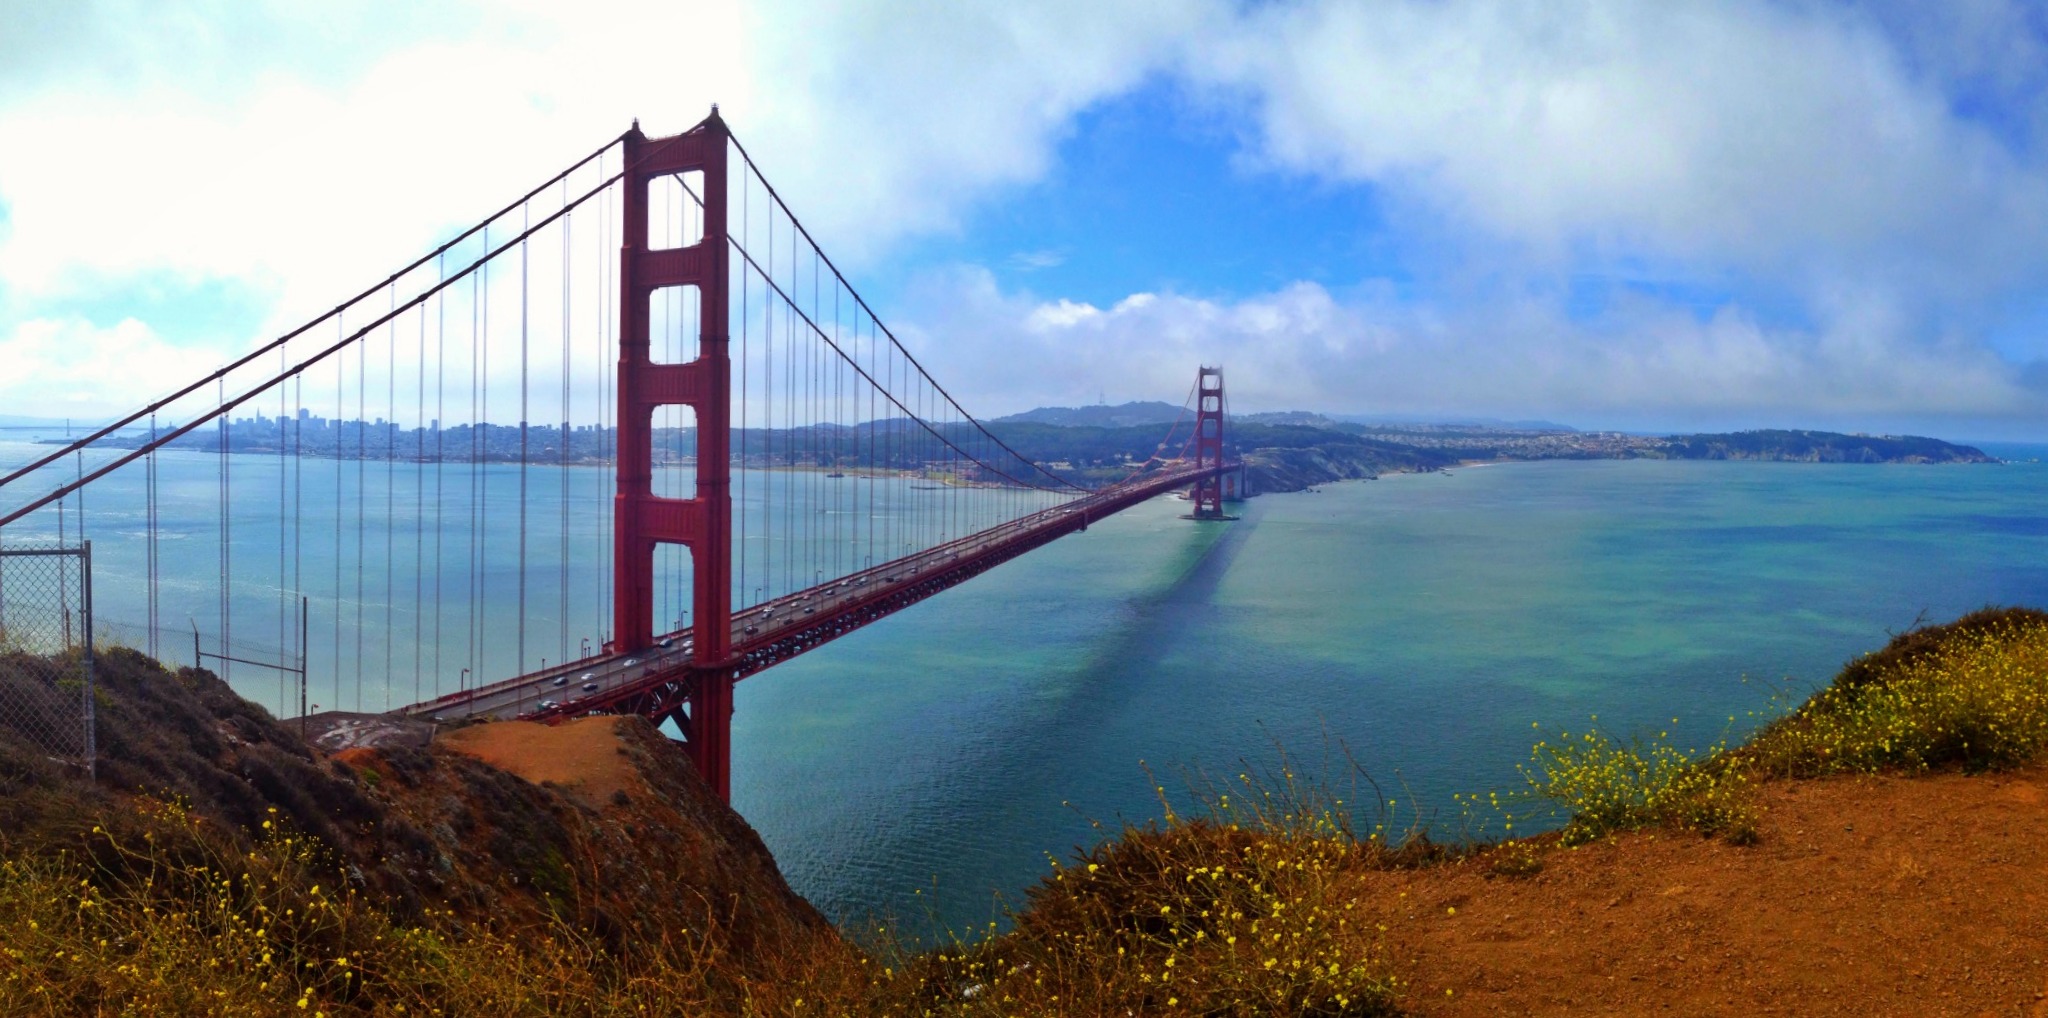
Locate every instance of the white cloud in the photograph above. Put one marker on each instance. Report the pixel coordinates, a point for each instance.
(1761, 137)
(332, 177)
(69, 367)
(882, 121)
(1032, 261)
(1300, 347)
(1060, 314)
(312, 187)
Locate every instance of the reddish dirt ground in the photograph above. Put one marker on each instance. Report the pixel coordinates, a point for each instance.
(1866, 896)
(581, 755)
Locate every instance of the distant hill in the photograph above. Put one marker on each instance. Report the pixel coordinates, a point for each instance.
(1127, 415)
(1820, 447)
(1480, 423)
(1298, 418)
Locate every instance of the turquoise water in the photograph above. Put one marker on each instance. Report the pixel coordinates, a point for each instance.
(926, 765)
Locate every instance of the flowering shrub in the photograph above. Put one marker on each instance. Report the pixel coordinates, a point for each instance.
(1974, 692)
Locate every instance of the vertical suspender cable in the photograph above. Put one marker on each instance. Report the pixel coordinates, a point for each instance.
(874, 473)
(811, 517)
(768, 420)
(789, 405)
(283, 598)
(298, 520)
(362, 427)
(390, 430)
(891, 483)
(483, 473)
(440, 450)
(519, 664)
(150, 529)
(476, 461)
(226, 668)
(340, 384)
(602, 375)
(838, 438)
(419, 510)
(603, 552)
(562, 437)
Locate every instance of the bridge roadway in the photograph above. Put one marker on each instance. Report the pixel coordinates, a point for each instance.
(652, 679)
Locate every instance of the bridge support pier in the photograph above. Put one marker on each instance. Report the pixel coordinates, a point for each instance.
(707, 728)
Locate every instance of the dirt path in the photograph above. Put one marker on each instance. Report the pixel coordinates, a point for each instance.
(1867, 896)
(581, 755)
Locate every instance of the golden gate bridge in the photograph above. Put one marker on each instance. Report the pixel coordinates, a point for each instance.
(779, 468)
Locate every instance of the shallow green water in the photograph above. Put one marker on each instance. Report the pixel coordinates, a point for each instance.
(925, 765)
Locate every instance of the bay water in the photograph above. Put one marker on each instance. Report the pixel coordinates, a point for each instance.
(928, 768)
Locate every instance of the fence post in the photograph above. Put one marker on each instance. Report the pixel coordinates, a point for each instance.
(92, 756)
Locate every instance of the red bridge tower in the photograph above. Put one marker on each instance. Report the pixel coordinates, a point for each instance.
(1209, 444)
(703, 523)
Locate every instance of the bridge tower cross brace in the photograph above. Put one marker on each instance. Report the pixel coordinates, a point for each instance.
(702, 523)
(1209, 443)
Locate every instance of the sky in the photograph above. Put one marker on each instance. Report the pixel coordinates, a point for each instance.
(1649, 216)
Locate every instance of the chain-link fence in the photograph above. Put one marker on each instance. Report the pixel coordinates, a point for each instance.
(46, 665)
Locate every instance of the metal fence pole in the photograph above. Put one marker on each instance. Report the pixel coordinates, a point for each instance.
(91, 709)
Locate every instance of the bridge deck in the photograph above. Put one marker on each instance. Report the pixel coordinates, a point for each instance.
(651, 679)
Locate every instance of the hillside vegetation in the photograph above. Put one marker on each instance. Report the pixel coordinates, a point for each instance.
(231, 871)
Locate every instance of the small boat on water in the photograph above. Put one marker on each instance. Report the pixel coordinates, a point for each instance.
(835, 473)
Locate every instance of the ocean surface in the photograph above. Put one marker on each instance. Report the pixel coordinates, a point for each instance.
(928, 766)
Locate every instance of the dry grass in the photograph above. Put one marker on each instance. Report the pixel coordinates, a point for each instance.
(169, 917)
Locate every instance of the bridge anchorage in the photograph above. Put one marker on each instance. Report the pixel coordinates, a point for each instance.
(784, 470)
